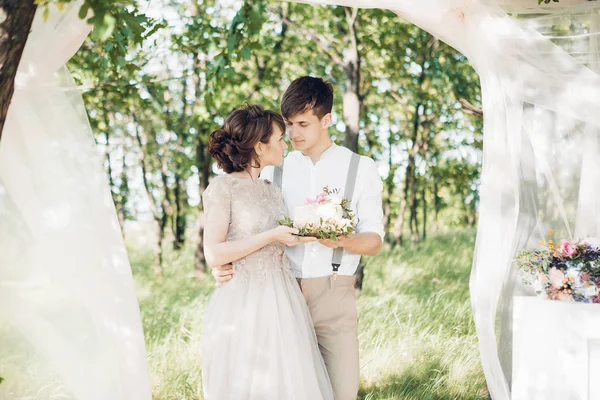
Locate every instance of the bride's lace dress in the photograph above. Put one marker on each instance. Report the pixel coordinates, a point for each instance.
(259, 342)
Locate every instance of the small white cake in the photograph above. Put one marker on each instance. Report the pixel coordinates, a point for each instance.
(325, 216)
(312, 214)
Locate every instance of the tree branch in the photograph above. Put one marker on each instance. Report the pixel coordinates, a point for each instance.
(318, 41)
(470, 108)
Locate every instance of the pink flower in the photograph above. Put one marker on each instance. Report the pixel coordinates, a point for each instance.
(568, 248)
(321, 197)
(552, 293)
(565, 296)
(585, 277)
(557, 278)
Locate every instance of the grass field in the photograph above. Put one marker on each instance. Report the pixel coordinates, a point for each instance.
(417, 336)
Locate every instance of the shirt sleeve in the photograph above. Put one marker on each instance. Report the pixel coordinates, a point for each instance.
(369, 205)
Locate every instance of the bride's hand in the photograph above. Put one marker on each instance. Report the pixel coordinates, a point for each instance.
(287, 236)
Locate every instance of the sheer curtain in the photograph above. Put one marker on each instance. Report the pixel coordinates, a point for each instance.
(70, 326)
(541, 100)
(69, 320)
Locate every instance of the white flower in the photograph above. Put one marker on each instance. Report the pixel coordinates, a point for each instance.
(538, 286)
(335, 199)
(590, 291)
(572, 273)
(345, 223)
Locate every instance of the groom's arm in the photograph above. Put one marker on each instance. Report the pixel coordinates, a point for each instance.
(222, 274)
(364, 244)
(368, 239)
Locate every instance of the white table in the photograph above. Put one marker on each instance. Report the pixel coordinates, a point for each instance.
(556, 350)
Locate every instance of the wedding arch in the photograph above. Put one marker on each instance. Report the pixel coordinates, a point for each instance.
(540, 88)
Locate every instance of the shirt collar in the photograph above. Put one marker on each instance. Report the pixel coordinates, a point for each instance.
(327, 153)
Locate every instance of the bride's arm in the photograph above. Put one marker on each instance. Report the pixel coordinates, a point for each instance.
(218, 251)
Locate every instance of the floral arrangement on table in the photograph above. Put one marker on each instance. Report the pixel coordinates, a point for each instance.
(326, 217)
(567, 271)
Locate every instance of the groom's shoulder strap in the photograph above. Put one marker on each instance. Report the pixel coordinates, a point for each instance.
(351, 177)
(338, 253)
(278, 175)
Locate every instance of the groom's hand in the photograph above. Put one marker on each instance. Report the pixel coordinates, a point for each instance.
(333, 244)
(222, 274)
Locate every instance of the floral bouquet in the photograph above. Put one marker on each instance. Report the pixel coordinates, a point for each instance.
(568, 271)
(326, 217)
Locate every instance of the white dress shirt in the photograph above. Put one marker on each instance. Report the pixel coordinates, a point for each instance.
(303, 180)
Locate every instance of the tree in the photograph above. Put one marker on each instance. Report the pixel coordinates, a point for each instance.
(105, 17)
(19, 17)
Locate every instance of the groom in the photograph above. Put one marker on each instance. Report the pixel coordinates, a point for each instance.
(317, 162)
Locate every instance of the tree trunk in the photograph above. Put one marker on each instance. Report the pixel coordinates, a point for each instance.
(14, 31)
(414, 204)
(203, 164)
(179, 191)
(159, 216)
(179, 222)
(114, 189)
(203, 161)
(424, 205)
(123, 194)
(351, 99)
(473, 214)
(360, 275)
(398, 233)
(159, 226)
(436, 203)
(389, 188)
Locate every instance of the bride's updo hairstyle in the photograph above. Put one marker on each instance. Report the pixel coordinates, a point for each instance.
(232, 145)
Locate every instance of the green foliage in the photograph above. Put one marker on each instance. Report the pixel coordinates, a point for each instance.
(106, 17)
(174, 84)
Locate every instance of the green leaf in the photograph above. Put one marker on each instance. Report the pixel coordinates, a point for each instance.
(231, 42)
(104, 29)
(246, 53)
(83, 11)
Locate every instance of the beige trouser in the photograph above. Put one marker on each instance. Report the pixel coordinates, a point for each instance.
(332, 306)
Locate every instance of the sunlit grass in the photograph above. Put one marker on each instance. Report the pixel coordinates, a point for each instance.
(417, 336)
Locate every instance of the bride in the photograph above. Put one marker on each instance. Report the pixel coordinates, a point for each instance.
(259, 342)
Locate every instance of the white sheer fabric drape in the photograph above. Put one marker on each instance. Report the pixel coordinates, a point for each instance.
(70, 326)
(69, 321)
(541, 102)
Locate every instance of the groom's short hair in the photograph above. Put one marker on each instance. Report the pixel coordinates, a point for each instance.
(307, 93)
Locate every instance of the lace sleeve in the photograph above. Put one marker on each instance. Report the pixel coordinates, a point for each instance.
(216, 199)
